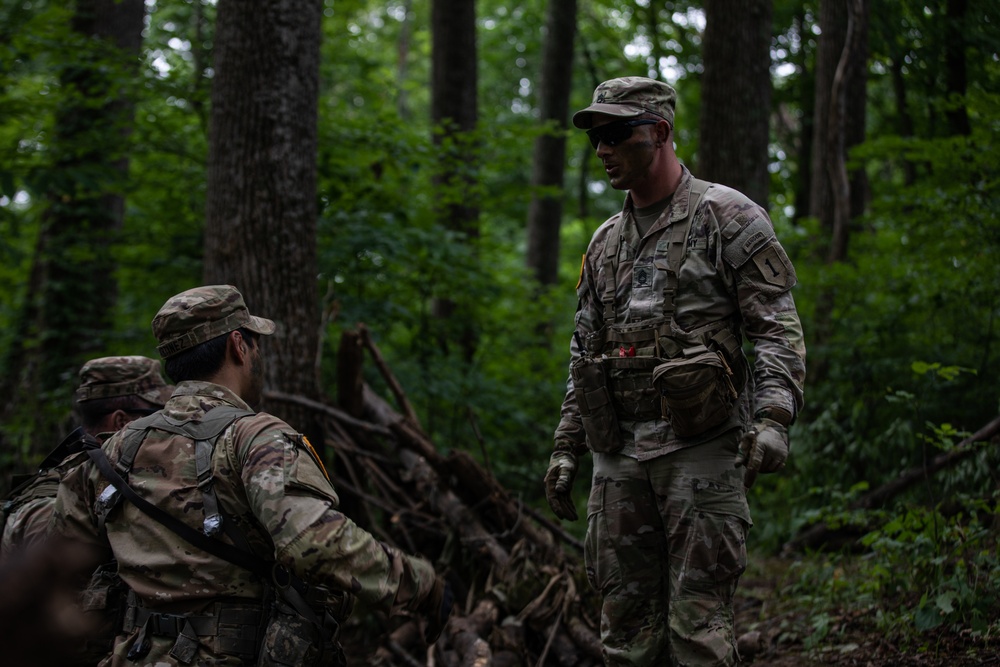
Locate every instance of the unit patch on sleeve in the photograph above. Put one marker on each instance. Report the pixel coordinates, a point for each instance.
(774, 267)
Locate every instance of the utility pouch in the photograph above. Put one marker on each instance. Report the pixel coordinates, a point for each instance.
(697, 391)
(597, 412)
(290, 640)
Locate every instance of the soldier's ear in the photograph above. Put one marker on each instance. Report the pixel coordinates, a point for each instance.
(119, 418)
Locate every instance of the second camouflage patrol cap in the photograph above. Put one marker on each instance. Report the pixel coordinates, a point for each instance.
(628, 97)
(109, 377)
(200, 314)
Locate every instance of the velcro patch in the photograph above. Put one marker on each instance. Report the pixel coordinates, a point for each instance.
(752, 237)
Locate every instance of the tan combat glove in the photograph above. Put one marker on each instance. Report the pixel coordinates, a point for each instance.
(764, 447)
(559, 482)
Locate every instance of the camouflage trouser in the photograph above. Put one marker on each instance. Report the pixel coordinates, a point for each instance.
(665, 547)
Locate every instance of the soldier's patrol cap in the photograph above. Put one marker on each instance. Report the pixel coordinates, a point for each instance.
(109, 377)
(629, 97)
(200, 314)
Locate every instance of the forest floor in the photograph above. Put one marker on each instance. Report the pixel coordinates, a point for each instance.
(788, 627)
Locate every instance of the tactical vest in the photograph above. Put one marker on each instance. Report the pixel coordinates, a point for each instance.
(294, 624)
(652, 369)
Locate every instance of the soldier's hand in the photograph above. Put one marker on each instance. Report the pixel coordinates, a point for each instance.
(438, 609)
(763, 448)
(558, 484)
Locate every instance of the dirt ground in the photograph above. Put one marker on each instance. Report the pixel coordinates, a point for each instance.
(852, 641)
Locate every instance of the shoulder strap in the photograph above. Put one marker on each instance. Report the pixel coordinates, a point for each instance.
(222, 550)
(289, 585)
(611, 250)
(677, 248)
(203, 433)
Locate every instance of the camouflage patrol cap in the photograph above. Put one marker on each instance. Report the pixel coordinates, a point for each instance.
(200, 314)
(629, 97)
(109, 377)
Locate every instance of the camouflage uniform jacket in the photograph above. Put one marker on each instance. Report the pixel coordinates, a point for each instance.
(734, 271)
(268, 481)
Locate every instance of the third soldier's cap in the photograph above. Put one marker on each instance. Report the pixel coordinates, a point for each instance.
(110, 377)
(629, 97)
(201, 314)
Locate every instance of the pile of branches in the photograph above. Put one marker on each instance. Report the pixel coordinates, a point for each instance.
(521, 593)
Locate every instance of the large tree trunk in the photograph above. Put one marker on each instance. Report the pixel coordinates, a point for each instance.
(72, 292)
(453, 118)
(548, 163)
(736, 96)
(260, 227)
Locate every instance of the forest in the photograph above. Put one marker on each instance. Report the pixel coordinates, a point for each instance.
(397, 184)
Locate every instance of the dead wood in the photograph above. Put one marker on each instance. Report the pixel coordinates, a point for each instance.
(521, 600)
(819, 534)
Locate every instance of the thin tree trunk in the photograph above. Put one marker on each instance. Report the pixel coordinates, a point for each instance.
(453, 117)
(955, 67)
(548, 164)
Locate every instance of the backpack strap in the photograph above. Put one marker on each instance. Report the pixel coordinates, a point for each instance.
(203, 433)
(291, 588)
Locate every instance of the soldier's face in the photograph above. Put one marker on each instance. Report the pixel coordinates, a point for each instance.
(627, 162)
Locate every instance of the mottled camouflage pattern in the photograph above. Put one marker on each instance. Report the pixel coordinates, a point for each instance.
(28, 520)
(718, 281)
(201, 314)
(109, 377)
(668, 512)
(268, 480)
(629, 97)
(665, 547)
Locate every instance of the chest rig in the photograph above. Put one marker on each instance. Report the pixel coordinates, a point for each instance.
(629, 353)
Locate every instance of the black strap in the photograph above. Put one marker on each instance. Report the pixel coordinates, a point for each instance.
(291, 591)
(226, 552)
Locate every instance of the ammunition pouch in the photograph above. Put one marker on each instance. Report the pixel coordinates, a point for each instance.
(697, 390)
(597, 412)
(105, 597)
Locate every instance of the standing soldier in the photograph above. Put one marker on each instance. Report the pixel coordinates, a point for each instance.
(223, 520)
(661, 393)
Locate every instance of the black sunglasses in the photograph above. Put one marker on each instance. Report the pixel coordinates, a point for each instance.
(613, 134)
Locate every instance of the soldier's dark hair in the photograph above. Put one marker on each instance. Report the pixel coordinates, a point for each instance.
(203, 360)
(90, 413)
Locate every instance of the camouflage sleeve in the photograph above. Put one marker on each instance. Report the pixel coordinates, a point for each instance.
(73, 518)
(589, 318)
(764, 279)
(26, 526)
(289, 493)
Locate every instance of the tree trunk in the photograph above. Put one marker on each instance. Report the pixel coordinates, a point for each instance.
(72, 292)
(833, 24)
(260, 227)
(955, 68)
(453, 118)
(736, 96)
(806, 86)
(548, 163)
(836, 195)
